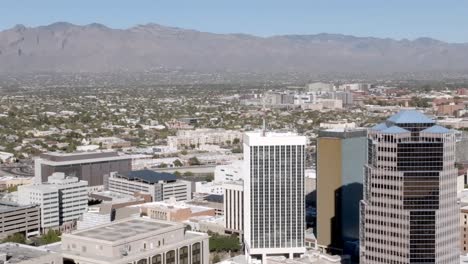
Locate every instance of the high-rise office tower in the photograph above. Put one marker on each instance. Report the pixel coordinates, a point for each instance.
(274, 221)
(409, 210)
(341, 156)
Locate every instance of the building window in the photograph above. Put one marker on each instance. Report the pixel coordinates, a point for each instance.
(183, 255)
(142, 261)
(170, 257)
(196, 253)
(156, 259)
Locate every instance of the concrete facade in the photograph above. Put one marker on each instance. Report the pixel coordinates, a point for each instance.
(15, 218)
(274, 200)
(234, 206)
(92, 167)
(160, 190)
(136, 241)
(62, 199)
(12, 253)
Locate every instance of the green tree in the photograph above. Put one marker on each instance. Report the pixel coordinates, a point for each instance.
(50, 237)
(15, 238)
(12, 189)
(193, 161)
(162, 165)
(209, 178)
(236, 141)
(220, 243)
(177, 163)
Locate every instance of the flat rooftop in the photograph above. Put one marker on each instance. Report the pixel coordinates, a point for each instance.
(8, 207)
(17, 253)
(59, 158)
(124, 229)
(148, 176)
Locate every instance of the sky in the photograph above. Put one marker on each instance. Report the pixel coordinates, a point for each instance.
(445, 20)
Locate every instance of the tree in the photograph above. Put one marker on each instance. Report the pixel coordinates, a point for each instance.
(162, 165)
(236, 141)
(216, 258)
(193, 161)
(220, 243)
(209, 178)
(237, 150)
(13, 188)
(188, 173)
(15, 238)
(50, 237)
(177, 163)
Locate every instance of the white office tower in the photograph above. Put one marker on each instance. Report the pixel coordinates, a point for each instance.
(409, 212)
(274, 222)
(62, 199)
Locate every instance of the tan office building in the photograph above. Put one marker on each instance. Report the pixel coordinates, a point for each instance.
(136, 241)
(341, 156)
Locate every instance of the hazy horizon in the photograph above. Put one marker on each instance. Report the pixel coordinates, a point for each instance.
(398, 19)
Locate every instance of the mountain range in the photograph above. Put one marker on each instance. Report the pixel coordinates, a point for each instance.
(95, 48)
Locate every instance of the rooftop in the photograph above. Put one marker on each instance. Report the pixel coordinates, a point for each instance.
(437, 130)
(149, 176)
(394, 130)
(17, 253)
(125, 229)
(8, 206)
(410, 117)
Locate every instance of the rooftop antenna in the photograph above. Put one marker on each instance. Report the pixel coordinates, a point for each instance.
(264, 122)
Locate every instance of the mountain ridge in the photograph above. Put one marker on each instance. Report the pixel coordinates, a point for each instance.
(66, 47)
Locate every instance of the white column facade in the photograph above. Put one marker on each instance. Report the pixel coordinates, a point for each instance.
(274, 221)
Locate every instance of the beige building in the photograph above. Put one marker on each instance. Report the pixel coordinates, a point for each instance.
(200, 137)
(234, 206)
(12, 181)
(341, 156)
(175, 211)
(15, 218)
(136, 241)
(464, 229)
(12, 253)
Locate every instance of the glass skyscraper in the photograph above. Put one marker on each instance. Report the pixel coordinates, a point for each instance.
(409, 211)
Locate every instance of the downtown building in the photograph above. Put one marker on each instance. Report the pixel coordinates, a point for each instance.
(409, 208)
(93, 167)
(62, 200)
(341, 156)
(274, 206)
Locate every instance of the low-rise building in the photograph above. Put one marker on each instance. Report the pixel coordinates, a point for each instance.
(161, 186)
(199, 137)
(63, 199)
(114, 207)
(12, 181)
(12, 253)
(234, 206)
(92, 167)
(209, 187)
(229, 172)
(175, 211)
(15, 218)
(464, 229)
(139, 241)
